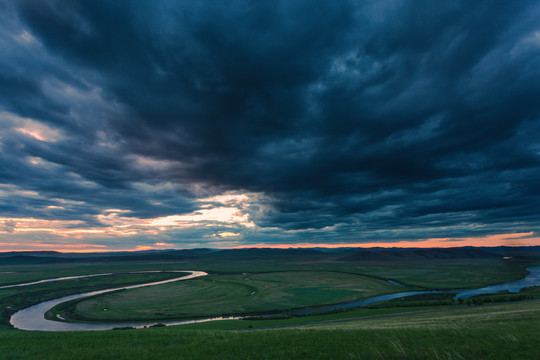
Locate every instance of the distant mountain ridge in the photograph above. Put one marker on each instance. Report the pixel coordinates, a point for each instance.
(340, 254)
(421, 254)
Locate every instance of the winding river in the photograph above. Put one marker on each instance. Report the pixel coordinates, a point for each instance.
(33, 317)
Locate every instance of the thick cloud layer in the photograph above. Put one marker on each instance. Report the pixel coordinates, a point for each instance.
(345, 121)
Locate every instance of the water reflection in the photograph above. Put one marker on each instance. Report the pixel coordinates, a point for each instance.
(533, 279)
(33, 317)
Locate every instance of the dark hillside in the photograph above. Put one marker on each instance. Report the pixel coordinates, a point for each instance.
(343, 254)
(420, 254)
(264, 252)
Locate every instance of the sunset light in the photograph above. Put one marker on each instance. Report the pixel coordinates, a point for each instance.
(249, 179)
(339, 127)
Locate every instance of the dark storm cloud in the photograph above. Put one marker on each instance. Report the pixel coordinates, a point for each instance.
(362, 117)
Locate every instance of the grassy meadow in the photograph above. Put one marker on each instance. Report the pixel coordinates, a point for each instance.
(219, 294)
(502, 332)
(423, 327)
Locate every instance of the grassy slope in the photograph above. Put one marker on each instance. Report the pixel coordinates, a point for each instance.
(496, 332)
(452, 318)
(257, 322)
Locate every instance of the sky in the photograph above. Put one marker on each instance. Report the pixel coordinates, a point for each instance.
(135, 125)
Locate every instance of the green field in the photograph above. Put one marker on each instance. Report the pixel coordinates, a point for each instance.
(499, 332)
(423, 327)
(270, 283)
(219, 294)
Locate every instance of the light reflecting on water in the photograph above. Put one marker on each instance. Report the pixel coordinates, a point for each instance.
(33, 317)
(55, 279)
(533, 279)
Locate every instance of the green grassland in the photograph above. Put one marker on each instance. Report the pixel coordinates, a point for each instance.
(17, 274)
(220, 294)
(266, 290)
(493, 332)
(255, 322)
(448, 274)
(252, 282)
(429, 273)
(451, 318)
(275, 281)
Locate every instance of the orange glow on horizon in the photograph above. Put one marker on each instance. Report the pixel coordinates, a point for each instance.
(72, 248)
(77, 248)
(516, 239)
(512, 239)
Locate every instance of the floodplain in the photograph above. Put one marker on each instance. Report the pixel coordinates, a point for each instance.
(261, 285)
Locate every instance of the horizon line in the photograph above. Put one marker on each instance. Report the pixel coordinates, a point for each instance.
(279, 247)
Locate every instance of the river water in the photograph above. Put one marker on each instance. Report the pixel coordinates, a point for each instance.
(33, 317)
(532, 279)
(55, 279)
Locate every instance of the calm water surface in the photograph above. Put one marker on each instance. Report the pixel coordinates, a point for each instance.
(533, 279)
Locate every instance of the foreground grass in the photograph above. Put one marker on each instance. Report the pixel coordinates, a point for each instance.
(493, 332)
(495, 316)
(255, 323)
(501, 332)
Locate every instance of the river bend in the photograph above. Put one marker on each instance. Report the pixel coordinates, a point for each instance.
(33, 317)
